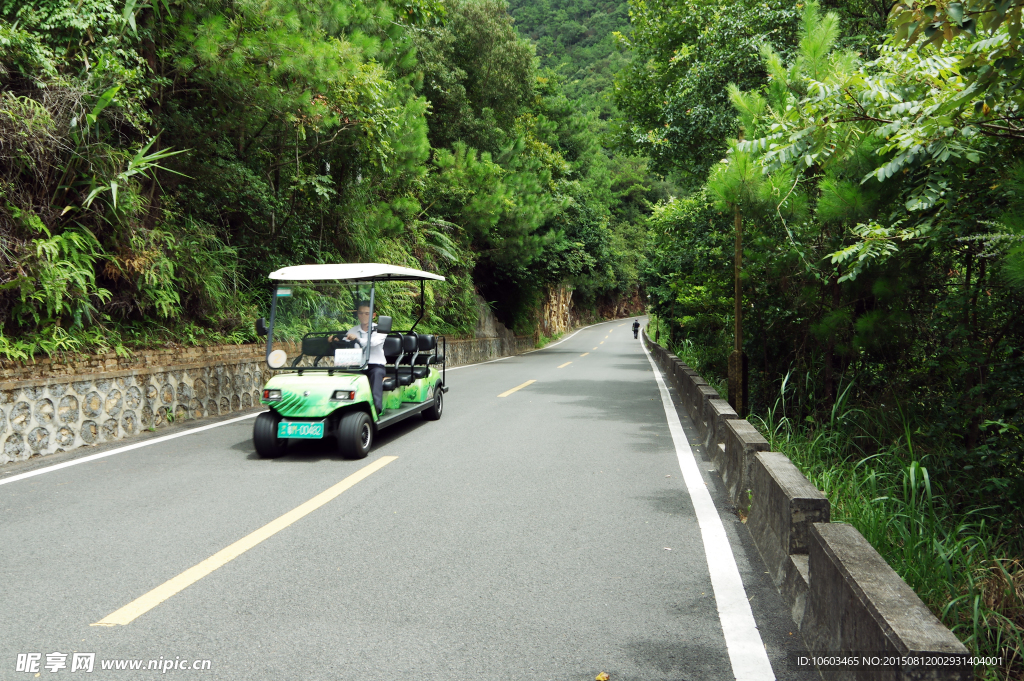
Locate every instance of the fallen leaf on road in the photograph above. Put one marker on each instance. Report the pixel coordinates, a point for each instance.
(603, 676)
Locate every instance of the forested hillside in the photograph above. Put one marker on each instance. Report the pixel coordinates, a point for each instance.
(157, 160)
(874, 164)
(576, 40)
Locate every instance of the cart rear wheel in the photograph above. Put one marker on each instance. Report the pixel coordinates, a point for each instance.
(355, 435)
(264, 436)
(434, 412)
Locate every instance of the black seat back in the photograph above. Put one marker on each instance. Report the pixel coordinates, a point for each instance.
(392, 348)
(316, 346)
(409, 345)
(427, 345)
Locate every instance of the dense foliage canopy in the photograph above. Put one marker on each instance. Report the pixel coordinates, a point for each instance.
(878, 183)
(158, 160)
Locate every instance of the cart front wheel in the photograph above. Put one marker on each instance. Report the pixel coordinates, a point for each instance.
(264, 436)
(355, 435)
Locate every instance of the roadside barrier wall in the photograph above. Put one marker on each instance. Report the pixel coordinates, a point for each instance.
(845, 600)
(50, 406)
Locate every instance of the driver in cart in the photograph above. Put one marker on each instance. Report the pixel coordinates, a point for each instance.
(375, 368)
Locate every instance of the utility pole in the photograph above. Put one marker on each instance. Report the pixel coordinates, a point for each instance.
(738, 360)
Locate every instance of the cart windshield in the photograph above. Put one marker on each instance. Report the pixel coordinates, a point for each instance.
(320, 325)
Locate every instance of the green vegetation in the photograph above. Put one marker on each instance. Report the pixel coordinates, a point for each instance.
(576, 40)
(158, 160)
(879, 186)
(905, 503)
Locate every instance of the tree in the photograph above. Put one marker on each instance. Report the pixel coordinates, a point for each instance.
(673, 91)
(477, 73)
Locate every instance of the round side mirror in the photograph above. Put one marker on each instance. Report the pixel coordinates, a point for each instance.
(277, 359)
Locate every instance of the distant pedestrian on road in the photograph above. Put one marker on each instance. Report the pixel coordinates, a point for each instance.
(636, 328)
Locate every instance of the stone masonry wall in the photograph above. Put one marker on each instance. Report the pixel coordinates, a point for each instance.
(63, 413)
(51, 406)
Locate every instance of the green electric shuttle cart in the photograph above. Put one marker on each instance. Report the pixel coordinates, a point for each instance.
(319, 340)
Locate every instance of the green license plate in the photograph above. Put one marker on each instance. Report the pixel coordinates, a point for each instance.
(313, 430)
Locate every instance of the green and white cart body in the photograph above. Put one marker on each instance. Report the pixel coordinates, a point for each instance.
(319, 339)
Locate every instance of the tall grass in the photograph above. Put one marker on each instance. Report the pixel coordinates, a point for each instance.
(899, 498)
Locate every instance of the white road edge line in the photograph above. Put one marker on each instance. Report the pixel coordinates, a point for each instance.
(576, 332)
(747, 653)
(137, 445)
(476, 364)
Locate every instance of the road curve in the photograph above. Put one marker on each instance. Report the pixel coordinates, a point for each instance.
(541, 530)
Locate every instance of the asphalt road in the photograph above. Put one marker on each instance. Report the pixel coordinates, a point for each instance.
(544, 535)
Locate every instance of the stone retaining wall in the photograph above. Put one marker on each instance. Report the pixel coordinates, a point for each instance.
(844, 598)
(58, 414)
(52, 406)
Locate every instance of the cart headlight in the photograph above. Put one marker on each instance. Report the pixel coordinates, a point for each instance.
(344, 395)
(271, 395)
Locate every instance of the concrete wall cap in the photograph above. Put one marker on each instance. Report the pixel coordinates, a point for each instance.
(906, 620)
(722, 408)
(743, 430)
(789, 478)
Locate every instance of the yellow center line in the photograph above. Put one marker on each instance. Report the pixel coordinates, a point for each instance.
(147, 602)
(584, 354)
(594, 348)
(518, 387)
(564, 365)
(601, 343)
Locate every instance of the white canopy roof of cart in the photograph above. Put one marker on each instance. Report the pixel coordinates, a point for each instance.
(357, 271)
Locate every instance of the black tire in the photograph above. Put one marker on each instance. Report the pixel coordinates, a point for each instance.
(434, 412)
(264, 436)
(355, 435)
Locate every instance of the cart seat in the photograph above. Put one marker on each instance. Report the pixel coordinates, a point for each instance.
(316, 346)
(427, 344)
(392, 352)
(410, 342)
(392, 348)
(403, 369)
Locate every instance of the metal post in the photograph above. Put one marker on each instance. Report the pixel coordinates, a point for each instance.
(369, 327)
(737, 266)
(270, 328)
(738, 360)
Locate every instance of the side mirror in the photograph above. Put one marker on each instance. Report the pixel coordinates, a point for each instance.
(261, 327)
(384, 325)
